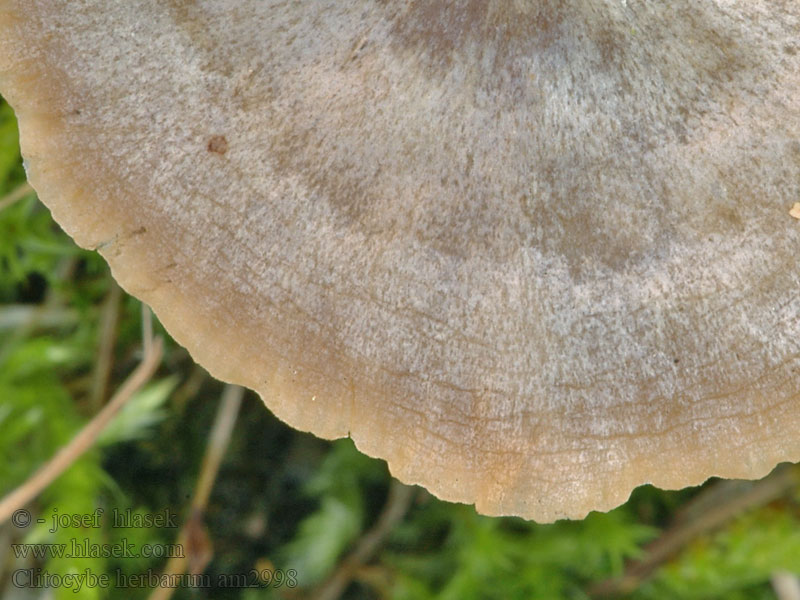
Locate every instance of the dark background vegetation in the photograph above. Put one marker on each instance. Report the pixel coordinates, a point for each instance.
(324, 519)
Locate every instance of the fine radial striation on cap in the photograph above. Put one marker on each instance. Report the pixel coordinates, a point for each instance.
(532, 253)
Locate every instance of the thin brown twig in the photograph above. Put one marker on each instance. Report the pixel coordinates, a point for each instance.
(189, 388)
(147, 326)
(84, 439)
(105, 353)
(17, 193)
(399, 500)
(192, 536)
(741, 496)
(18, 315)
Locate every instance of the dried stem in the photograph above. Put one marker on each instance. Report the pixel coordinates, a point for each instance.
(13, 316)
(712, 509)
(189, 388)
(105, 354)
(16, 194)
(85, 438)
(400, 496)
(147, 326)
(192, 536)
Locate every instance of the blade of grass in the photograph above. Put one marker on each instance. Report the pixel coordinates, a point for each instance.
(85, 438)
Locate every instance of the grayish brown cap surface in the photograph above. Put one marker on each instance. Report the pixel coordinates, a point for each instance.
(532, 253)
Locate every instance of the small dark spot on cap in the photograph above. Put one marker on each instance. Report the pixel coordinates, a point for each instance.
(218, 144)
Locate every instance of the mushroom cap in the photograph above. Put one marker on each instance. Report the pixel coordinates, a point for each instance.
(532, 253)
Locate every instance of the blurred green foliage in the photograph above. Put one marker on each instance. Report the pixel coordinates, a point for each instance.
(285, 500)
